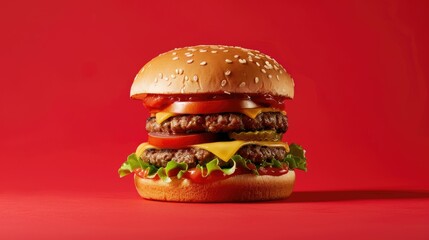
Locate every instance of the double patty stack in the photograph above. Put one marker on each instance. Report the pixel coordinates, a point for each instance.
(215, 128)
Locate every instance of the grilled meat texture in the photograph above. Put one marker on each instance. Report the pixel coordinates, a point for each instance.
(219, 123)
(194, 156)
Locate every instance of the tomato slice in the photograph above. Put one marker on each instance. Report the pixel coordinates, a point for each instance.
(212, 106)
(180, 141)
(157, 102)
(142, 173)
(195, 175)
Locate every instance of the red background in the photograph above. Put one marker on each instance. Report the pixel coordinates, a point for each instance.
(361, 110)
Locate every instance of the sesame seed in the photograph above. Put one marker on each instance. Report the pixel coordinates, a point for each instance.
(243, 61)
(242, 84)
(203, 63)
(160, 75)
(228, 61)
(177, 71)
(276, 67)
(186, 78)
(257, 57)
(174, 53)
(195, 78)
(214, 51)
(226, 50)
(189, 54)
(281, 72)
(250, 59)
(265, 66)
(169, 84)
(227, 72)
(175, 58)
(263, 70)
(166, 78)
(277, 76)
(223, 83)
(180, 71)
(270, 76)
(268, 63)
(182, 90)
(250, 53)
(236, 56)
(256, 79)
(226, 92)
(258, 64)
(192, 49)
(190, 61)
(156, 80)
(173, 76)
(203, 50)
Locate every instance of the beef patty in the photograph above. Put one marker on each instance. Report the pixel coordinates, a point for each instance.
(219, 123)
(194, 156)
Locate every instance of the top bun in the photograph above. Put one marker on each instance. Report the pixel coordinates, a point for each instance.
(212, 69)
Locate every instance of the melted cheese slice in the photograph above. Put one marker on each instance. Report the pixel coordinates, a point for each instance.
(143, 147)
(250, 112)
(223, 150)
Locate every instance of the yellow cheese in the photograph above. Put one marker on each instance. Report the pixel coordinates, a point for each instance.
(223, 150)
(143, 147)
(162, 116)
(253, 112)
(250, 112)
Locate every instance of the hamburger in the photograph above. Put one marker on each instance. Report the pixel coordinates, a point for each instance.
(215, 129)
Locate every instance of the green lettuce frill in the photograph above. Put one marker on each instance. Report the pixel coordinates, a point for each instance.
(295, 159)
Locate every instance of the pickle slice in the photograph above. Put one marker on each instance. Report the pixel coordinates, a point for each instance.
(265, 135)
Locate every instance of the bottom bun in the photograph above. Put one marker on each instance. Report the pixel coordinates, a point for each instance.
(239, 188)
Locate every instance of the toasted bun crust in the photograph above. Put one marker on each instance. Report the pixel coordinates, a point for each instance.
(212, 69)
(240, 188)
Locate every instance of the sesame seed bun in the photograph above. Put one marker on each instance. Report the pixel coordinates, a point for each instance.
(239, 188)
(212, 69)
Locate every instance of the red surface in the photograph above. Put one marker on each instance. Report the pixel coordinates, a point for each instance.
(306, 215)
(361, 110)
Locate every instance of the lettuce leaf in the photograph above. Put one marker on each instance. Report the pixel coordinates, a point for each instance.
(213, 165)
(173, 165)
(295, 159)
(163, 173)
(245, 163)
(133, 162)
